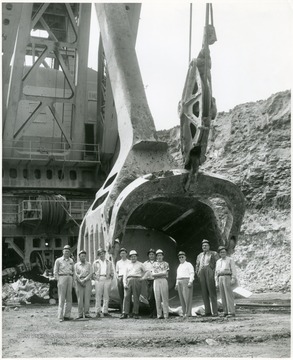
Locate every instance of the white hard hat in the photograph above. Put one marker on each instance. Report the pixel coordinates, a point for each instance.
(132, 252)
(159, 251)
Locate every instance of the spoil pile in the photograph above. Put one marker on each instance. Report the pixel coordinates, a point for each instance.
(24, 291)
(251, 146)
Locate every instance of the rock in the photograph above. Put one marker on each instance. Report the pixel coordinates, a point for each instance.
(250, 145)
(199, 310)
(211, 342)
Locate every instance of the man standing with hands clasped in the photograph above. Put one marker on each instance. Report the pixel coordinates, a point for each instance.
(103, 273)
(63, 273)
(184, 283)
(205, 270)
(82, 276)
(225, 276)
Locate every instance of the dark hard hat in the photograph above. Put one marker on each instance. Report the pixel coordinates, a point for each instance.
(205, 241)
(181, 253)
(221, 248)
(122, 249)
(151, 251)
(66, 247)
(82, 252)
(100, 251)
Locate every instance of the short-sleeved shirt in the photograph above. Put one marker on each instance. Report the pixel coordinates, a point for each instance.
(135, 269)
(185, 270)
(160, 267)
(83, 270)
(63, 267)
(121, 266)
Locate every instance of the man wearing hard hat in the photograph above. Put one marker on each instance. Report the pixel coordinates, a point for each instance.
(184, 283)
(63, 273)
(82, 276)
(132, 284)
(120, 269)
(205, 270)
(149, 267)
(103, 273)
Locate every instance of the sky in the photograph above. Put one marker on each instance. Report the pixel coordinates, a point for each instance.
(252, 59)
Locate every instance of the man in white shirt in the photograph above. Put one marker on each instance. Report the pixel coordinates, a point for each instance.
(184, 283)
(120, 270)
(103, 273)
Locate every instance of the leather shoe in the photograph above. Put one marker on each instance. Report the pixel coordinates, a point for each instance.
(160, 317)
(67, 318)
(79, 317)
(123, 316)
(87, 316)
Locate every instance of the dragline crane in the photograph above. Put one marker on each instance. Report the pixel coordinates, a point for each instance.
(82, 163)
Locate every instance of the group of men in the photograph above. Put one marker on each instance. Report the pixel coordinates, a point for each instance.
(211, 270)
(81, 275)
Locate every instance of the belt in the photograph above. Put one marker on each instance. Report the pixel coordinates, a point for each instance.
(120, 276)
(133, 277)
(103, 275)
(225, 274)
(186, 278)
(65, 275)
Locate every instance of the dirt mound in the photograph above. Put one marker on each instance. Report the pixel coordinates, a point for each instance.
(250, 145)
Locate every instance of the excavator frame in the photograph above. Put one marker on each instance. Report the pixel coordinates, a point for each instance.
(144, 202)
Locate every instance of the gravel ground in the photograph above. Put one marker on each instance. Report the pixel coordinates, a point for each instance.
(34, 331)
